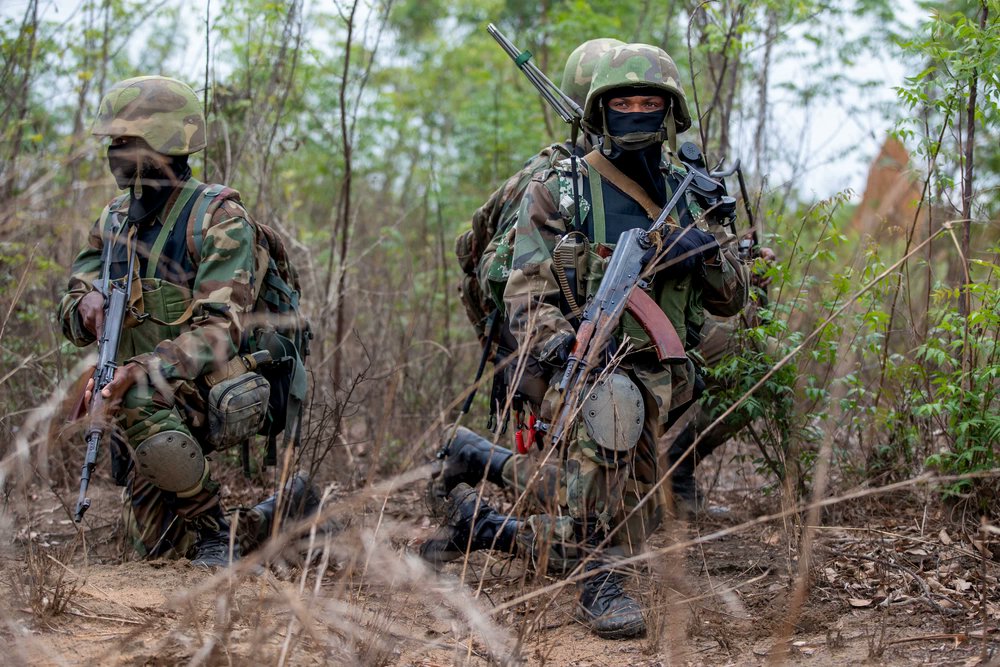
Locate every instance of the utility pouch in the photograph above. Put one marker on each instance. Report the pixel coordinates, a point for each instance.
(236, 409)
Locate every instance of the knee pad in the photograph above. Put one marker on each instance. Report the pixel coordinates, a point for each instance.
(613, 412)
(172, 461)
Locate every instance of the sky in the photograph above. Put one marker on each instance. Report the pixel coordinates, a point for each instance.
(835, 140)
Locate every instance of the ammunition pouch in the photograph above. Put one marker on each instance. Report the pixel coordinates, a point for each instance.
(237, 408)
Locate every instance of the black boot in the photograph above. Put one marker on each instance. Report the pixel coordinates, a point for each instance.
(470, 525)
(212, 547)
(603, 603)
(470, 457)
(299, 500)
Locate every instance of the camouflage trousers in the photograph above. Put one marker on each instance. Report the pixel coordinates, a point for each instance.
(158, 528)
(721, 339)
(161, 523)
(562, 493)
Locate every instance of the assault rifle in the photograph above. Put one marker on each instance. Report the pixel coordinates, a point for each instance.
(636, 250)
(561, 103)
(116, 307)
(709, 190)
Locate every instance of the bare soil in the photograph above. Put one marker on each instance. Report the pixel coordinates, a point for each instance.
(897, 582)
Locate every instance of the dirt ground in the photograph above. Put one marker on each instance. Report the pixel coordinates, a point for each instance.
(893, 582)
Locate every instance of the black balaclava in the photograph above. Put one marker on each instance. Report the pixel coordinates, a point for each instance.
(634, 141)
(149, 184)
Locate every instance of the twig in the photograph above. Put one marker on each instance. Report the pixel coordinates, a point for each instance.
(95, 617)
(928, 596)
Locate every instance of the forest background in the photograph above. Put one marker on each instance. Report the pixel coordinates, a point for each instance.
(368, 133)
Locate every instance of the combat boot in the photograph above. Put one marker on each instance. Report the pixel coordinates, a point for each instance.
(299, 500)
(212, 547)
(603, 603)
(689, 502)
(470, 457)
(470, 525)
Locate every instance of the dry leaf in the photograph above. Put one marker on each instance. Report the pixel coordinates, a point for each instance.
(859, 602)
(943, 536)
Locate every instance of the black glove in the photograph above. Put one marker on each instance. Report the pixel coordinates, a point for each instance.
(683, 251)
(556, 352)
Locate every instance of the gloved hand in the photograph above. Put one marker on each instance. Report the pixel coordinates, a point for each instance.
(555, 353)
(765, 258)
(683, 251)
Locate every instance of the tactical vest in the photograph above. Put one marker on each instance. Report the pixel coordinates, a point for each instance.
(166, 270)
(606, 212)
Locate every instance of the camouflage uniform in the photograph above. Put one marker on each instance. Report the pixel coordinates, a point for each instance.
(596, 486)
(491, 231)
(193, 310)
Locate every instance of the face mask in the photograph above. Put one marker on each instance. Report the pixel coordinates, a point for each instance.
(635, 131)
(123, 161)
(150, 184)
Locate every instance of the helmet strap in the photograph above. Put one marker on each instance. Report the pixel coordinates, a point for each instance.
(671, 129)
(607, 148)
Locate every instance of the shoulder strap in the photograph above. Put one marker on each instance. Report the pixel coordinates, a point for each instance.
(615, 176)
(195, 233)
(597, 202)
(197, 220)
(182, 204)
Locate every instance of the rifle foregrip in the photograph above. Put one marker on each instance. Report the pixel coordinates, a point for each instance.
(657, 326)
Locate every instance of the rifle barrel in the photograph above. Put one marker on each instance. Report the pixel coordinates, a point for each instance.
(563, 104)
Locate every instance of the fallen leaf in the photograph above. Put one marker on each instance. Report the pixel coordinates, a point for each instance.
(943, 536)
(859, 602)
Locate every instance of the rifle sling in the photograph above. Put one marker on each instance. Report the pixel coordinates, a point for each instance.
(617, 178)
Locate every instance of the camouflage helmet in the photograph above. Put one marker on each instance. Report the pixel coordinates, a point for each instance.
(580, 66)
(638, 66)
(164, 112)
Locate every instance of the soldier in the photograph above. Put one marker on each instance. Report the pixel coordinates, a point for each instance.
(637, 106)
(492, 223)
(187, 319)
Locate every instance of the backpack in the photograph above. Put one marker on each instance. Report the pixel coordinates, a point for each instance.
(285, 332)
(483, 250)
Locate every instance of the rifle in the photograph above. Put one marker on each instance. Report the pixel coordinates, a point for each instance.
(564, 105)
(561, 103)
(116, 307)
(709, 189)
(616, 294)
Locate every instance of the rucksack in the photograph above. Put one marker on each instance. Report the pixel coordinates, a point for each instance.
(481, 250)
(286, 332)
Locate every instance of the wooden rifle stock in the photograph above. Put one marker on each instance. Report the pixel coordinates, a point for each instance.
(657, 326)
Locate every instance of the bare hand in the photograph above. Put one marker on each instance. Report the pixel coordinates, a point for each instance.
(766, 257)
(125, 377)
(91, 310)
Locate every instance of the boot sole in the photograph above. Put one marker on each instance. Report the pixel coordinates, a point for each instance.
(633, 630)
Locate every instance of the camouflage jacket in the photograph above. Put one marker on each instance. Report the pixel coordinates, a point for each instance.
(532, 295)
(220, 286)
